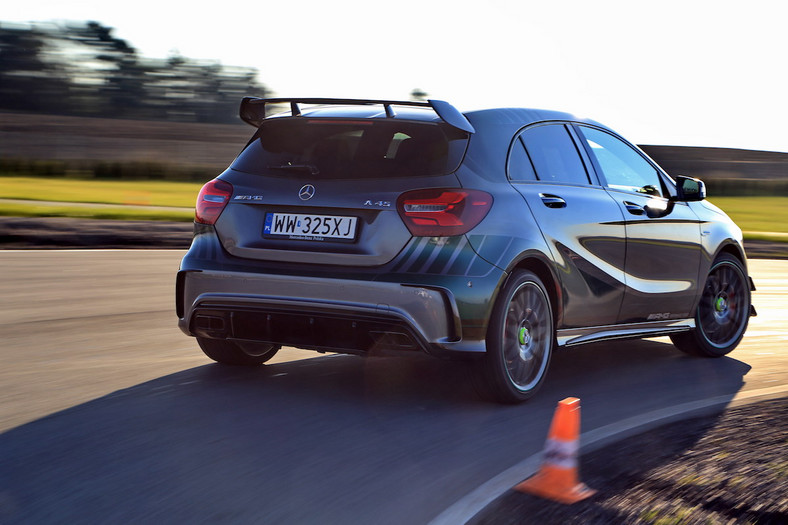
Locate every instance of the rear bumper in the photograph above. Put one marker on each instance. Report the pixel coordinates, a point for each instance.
(337, 315)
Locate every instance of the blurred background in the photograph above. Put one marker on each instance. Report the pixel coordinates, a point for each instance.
(77, 100)
(95, 92)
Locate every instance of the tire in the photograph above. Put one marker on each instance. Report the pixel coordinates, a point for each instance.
(723, 311)
(233, 353)
(520, 340)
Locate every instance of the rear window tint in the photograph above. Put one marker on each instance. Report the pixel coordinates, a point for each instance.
(352, 149)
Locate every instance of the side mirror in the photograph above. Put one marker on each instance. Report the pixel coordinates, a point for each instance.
(689, 189)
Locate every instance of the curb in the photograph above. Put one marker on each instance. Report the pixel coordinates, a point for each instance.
(474, 502)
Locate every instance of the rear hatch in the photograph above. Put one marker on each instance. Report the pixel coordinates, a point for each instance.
(324, 189)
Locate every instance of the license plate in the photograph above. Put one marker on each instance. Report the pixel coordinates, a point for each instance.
(299, 226)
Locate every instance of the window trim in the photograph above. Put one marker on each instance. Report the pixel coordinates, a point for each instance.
(585, 160)
(518, 140)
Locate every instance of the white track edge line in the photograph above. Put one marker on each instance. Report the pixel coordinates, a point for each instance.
(471, 504)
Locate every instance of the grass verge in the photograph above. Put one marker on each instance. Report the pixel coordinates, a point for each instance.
(128, 213)
(127, 192)
(760, 217)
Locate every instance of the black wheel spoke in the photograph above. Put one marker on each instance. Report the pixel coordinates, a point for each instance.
(526, 335)
(721, 317)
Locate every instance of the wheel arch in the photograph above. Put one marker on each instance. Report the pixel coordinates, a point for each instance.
(733, 249)
(544, 271)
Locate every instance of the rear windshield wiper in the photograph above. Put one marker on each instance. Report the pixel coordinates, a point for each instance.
(303, 167)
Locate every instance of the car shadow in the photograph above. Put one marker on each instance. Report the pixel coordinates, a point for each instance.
(333, 439)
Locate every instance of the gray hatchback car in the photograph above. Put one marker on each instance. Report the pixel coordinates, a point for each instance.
(375, 227)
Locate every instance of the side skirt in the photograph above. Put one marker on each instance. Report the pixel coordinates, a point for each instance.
(577, 336)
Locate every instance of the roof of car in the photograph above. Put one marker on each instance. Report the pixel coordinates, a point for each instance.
(517, 118)
(514, 118)
(522, 116)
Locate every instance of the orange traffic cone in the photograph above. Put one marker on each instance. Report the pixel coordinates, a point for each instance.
(557, 478)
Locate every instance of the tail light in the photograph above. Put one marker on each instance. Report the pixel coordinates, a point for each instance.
(443, 212)
(211, 201)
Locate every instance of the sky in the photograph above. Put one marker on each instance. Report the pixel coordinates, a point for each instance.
(686, 72)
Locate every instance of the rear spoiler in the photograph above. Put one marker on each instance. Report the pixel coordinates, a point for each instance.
(253, 109)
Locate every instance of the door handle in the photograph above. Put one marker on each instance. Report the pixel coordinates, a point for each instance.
(552, 201)
(634, 209)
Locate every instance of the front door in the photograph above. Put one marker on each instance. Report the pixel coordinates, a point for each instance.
(663, 254)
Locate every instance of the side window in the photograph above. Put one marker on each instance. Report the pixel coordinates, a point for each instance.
(623, 167)
(520, 167)
(554, 154)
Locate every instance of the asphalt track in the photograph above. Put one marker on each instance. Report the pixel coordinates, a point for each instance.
(110, 414)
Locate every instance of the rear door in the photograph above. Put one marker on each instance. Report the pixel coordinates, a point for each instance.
(582, 225)
(663, 254)
(324, 190)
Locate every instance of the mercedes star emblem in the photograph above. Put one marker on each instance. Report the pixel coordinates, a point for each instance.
(306, 192)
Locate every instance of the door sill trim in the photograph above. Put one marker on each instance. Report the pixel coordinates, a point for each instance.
(577, 336)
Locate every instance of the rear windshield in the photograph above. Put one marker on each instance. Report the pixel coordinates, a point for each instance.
(352, 149)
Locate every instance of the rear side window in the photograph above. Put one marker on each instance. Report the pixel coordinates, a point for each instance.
(520, 167)
(554, 155)
(352, 149)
